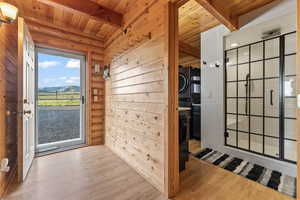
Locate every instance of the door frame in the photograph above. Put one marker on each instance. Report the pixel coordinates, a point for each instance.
(172, 182)
(72, 143)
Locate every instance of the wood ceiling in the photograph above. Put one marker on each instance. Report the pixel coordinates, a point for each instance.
(39, 12)
(194, 19)
(195, 16)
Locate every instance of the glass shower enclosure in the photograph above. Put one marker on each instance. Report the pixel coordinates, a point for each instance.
(260, 97)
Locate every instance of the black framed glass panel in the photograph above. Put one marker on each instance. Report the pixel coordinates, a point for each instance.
(260, 97)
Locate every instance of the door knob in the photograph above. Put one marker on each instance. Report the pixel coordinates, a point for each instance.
(27, 112)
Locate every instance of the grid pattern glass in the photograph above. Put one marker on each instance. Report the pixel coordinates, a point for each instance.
(260, 97)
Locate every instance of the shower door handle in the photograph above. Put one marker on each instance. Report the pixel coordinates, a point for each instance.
(247, 90)
(271, 97)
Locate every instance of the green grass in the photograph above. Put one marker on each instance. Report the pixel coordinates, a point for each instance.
(60, 99)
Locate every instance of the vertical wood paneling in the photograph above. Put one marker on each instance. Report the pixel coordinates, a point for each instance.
(8, 98)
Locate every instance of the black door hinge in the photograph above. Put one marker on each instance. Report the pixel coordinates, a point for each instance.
(82, 99)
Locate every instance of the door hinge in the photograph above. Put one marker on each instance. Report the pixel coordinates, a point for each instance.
(82, 99)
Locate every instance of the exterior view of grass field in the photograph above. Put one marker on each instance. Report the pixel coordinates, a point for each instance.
(59, 99)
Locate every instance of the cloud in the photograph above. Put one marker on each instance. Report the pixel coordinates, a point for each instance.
(72, 80)
(63, 78)
(46, 64)
(73, 64)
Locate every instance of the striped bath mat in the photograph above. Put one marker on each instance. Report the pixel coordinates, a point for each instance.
(270, 178)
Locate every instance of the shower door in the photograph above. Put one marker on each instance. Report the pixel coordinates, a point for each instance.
(260, 97)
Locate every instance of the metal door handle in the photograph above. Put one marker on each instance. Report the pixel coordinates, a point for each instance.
(271, 97)
(27, 112)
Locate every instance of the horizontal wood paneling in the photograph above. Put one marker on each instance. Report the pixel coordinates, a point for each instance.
(135, 94)
(8, 99)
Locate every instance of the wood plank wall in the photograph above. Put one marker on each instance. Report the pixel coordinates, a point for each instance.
(136, 106)
(49, 37)
(8, 99)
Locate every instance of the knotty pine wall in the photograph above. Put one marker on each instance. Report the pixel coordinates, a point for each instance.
(94, 54)
(136, 103)
(8, 99)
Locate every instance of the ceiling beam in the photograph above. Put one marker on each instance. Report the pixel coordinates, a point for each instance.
(188, 49)
(90, 9)
(220, 14)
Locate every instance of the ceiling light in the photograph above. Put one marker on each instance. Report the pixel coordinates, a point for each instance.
(8, 12)
(234, 45)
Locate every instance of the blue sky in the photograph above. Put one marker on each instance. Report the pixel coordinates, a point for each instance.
(57, 71)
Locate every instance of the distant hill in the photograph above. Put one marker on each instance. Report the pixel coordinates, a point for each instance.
(59, 89)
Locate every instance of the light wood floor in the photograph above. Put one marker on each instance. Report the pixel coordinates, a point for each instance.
(194, 146)
(203, 181)
(95, 173)
(91, 173)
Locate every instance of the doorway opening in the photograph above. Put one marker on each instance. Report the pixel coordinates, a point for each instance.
(269, 136)
(60, 100)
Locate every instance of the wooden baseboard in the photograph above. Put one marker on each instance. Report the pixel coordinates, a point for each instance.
(9, 181)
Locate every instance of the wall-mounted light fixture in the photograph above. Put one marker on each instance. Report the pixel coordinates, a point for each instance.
(8, 13)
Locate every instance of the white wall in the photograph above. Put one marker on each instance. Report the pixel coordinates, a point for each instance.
(213, 42)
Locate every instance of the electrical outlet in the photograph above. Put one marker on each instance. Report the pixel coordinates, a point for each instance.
(4, 165)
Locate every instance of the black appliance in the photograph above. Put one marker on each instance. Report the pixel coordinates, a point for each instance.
(184, 84)
(195, 129)
(195, 85)
(190, 96)
(184, 122)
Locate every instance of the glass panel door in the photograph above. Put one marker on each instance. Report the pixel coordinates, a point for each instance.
(290, 100)
(260, 97)
(60, 100)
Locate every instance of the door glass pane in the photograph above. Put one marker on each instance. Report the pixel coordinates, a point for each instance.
(243, 55)
(243, 140)
(231, 105)
(59, 102)
(231, 57)
(231, 139)
(242, 106)
(290, 107)
(290, 129)
(290, 65)
(272, 146)
(231, 89)
(290, 150)
(272, 68)
(256, 125)
(256, 106)
(256, 88)
(256, 143)
(272, 48)
(231, 73)
(272, 127)
(272, 97)
(243, 123)
(290, 86)
(257, 70)
(231, 122)
(257, 51)
(242, 89)
(243, 71)
(290, 44)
